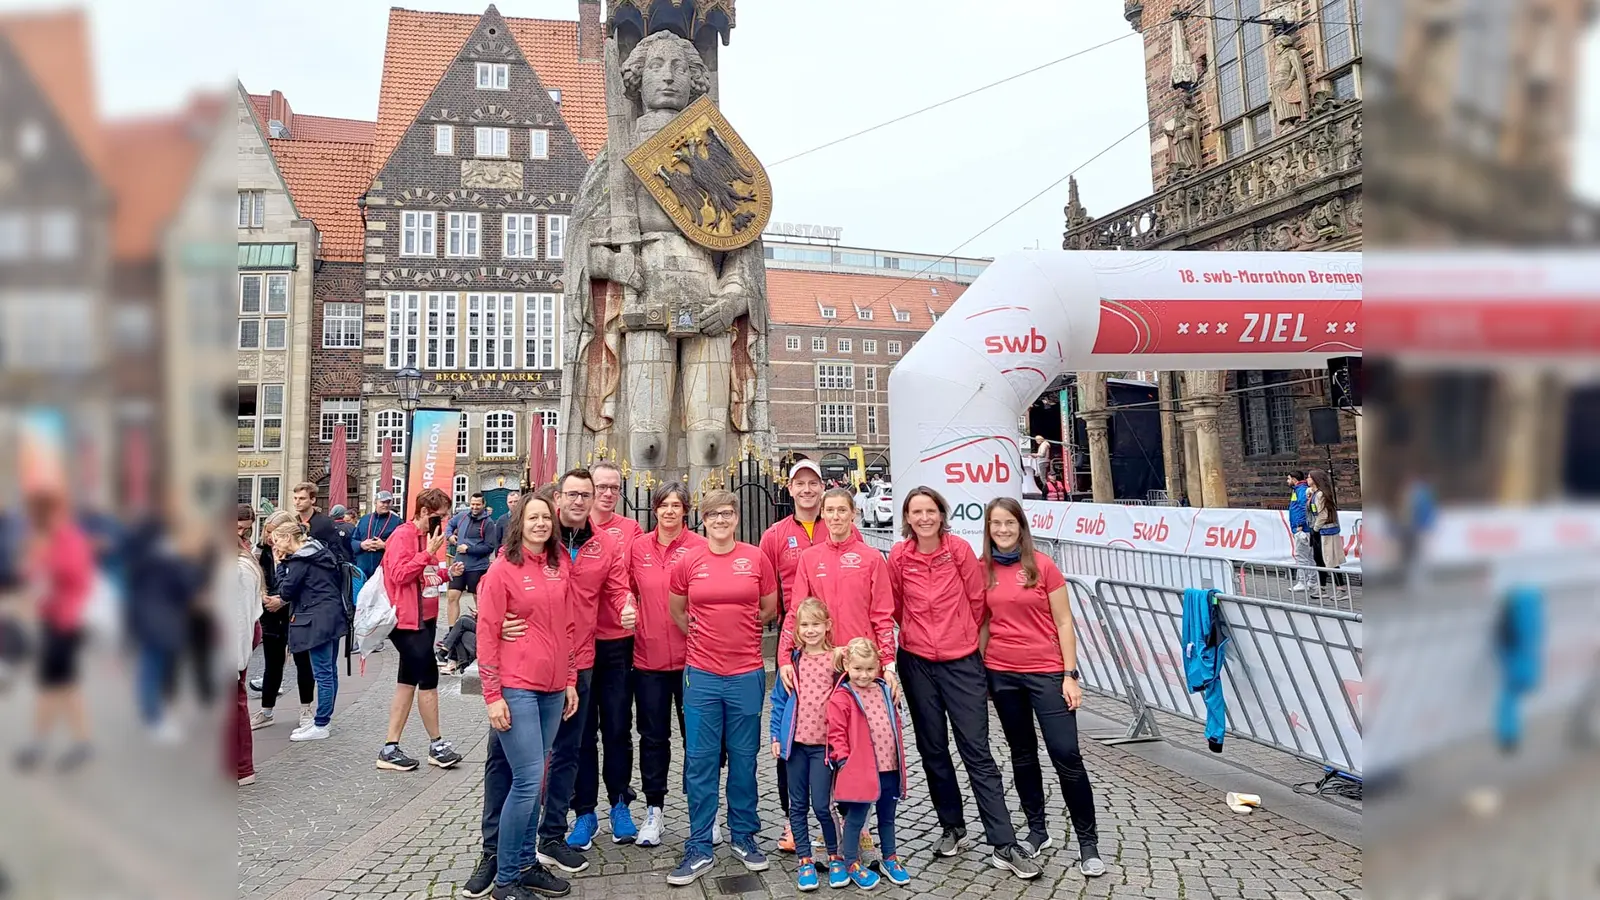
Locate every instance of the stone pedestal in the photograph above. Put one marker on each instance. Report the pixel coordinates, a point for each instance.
(1171, 439)
(1191, 458)
(1098, 425)
(1208, 440)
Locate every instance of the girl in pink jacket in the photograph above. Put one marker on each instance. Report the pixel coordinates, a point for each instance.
(868, 755)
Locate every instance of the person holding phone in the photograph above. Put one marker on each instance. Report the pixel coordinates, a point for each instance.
(413, 576)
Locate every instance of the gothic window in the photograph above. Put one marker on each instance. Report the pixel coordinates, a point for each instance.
(1241, 70)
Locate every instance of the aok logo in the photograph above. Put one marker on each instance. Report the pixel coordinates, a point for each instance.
(966, 512)
(1044, 522)
(996, 471)
(1144, 531)
(1032, 342)
(1096, 525)
(1231, 538)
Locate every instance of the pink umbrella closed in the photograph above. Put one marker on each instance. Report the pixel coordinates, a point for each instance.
(551, 465)
(338, 469)
(386, 474)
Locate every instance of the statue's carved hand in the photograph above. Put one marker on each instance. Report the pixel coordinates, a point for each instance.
(723, 311)
(627, 269)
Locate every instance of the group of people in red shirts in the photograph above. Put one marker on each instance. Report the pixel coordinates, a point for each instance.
(584, 619)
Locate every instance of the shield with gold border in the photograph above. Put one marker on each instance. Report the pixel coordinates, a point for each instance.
(705, 177)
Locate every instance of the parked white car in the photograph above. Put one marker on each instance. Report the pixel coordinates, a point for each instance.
(880, 508)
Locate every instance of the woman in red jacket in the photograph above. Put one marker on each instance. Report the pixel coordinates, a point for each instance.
(412, 575)
(938, 593)
(529, 684)
(1031, 654)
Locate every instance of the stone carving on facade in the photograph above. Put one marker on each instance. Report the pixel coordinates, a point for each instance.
(491, 174)
(676, 396)
(1184, 71)
(1183, 139)
(273, 367)
(1074, 211)
(1291, 99)
(250, 369)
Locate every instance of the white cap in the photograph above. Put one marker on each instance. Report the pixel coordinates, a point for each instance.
(805, 464)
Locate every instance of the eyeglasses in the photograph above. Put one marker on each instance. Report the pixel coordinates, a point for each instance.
(608, 489)
(719, 515)
(577, 495)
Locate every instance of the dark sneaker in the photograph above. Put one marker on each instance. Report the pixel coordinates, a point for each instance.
(443, 754)
(691, 869)
(1089, 861)
(396, 760)
(750, 854)
(1035, 843)
(1011, 859)
(950, 842)
(557, 853)
(512, 892)
(544, 882)
(74, 758)
(482, 880)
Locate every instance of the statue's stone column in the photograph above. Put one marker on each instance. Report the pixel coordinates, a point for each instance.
(1213, 484)
(1098, 424)
(1191, 458)
(1171, 440)
(1522, 401)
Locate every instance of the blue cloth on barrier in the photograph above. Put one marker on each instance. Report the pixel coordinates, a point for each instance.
(1519, 645)
(1204, 641)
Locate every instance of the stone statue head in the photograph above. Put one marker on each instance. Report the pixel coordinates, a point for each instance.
(665, 72)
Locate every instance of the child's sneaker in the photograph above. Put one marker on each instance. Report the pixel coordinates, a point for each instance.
(863, 878)
(786, 843)
(805, 877)
(894, 871)
(838, 876)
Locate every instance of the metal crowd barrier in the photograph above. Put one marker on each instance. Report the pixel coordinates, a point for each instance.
(1104, 665)
(1174, 570)
(1305, 585)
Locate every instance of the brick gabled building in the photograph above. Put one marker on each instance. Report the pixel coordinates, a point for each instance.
(486, 126)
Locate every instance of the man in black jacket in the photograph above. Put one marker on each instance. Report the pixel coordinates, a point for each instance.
(320, 526)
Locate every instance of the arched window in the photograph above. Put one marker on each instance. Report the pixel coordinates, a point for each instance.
(500, 434)
(389, 423)
(461, 491)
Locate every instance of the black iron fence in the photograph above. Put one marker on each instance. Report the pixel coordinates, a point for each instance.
(757, 483)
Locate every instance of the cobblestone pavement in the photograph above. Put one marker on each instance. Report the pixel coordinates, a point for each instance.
(323, 823)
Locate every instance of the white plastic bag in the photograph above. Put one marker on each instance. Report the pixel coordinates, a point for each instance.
(375, 617)
(102, 614)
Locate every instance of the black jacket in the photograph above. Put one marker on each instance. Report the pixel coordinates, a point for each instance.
(323, 530)
(312, 583)
(275, 624)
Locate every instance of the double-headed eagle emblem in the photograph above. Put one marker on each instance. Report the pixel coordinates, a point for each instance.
(706, 179)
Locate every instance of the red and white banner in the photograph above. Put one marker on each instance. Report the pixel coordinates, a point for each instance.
(1256, 535)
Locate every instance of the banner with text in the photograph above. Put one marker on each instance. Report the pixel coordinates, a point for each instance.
(1258, 535)
(432, 463)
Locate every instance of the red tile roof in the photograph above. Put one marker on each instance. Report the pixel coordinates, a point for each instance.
(317, 128)
(793, 297)
(151, 172)
(421, 46)
(326, 178)
(55, 48)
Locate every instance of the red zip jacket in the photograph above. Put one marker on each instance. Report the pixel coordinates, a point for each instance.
(659, 645)
(782, 545)
(404, 559)
(621, 527)
(938, 598)
(853, 580)
(599, 587)
(544, 659)
(850, 750)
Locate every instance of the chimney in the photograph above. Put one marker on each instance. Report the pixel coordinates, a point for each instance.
(591, 39)
(280, 116)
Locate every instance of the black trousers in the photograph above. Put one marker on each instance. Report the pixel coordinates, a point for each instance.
(196, 654)
(274, 648)
(562, 775)
(954, 696)
(610, 723)
(655, 695)
(1019, 698)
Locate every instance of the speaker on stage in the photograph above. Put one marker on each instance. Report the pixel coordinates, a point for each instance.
(1324, 425)
(1345, 382)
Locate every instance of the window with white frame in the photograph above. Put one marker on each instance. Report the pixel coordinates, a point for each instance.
(864, 313)
(344, 411)
(404, 331)
(830, 312)
(254, 489)
(417, 234)
(249, 409)
(555, 238)
(58, 234)
(14, 240)
(539, 347)
(492, 142)
(792, 342)
(549, 417)
(389, 424)
(444, 140)
(263, 311)
(836, 377)
(459, 495)
(819, 345)
(463, 442)
(892, 348)
(1341, 23)
(869, 346)
(252, 209)
(461, 234)
(521, 236)
(836, 419)
(494, 76)
(271, 417)
(500, 434)
(341, 325)
(902, 315)
(491, 334)
(538, 143)
(871, 377)
(872, 419)
(1243, 50)
(845, 344)
(441, 325)
(555, 94)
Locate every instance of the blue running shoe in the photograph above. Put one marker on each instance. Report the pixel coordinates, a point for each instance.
(623, 831)
(862, 877)
(745, 848)
(583, 831)
(838, 875)
(805, 877)
(894, 871)
(693, 866)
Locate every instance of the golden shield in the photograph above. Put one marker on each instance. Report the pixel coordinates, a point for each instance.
(706, 178)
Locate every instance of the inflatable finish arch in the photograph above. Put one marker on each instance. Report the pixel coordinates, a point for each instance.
(956, 397)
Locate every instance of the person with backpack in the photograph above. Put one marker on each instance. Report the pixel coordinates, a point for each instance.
(311, 581)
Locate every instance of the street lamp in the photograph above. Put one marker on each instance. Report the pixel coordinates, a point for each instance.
(408, 383)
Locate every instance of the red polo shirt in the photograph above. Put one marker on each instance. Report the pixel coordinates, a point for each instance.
(658, 642)
(724, 592)
(1022, 633)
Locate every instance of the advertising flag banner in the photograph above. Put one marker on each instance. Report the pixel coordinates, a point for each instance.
(432, 463)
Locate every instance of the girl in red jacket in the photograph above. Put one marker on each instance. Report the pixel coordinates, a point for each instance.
(868, 756)
(800, 737)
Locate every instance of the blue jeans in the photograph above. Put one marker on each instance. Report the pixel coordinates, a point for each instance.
(810, 782)
(325, 669)
(564, 765)
(535, 719)
(722, 710)
(155, 664)
(855, 818)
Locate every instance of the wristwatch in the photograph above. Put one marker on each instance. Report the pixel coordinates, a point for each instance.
(1073, 674)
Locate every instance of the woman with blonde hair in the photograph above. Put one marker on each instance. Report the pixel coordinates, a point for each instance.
(275, 638)
(311, 582)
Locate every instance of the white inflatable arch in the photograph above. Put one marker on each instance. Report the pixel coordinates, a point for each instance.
(956, 398)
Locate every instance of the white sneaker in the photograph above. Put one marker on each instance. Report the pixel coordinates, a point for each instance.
(308, 716)
(716, 835)
(650, 831)
(1299, 587)
(314, 733)
(262, 719)
(168, 733)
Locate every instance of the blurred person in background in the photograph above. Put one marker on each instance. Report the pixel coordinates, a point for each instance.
(242, 601)
(311, 582)
(1300, 526)
(512, 499)
(372, 533)
(58, 561)
(275, 637)
(344, 524)
(1327, 547)
(165, 577)
(476, 538)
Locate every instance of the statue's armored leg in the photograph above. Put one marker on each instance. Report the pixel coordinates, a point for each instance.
(648, 372)
(707, 362)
